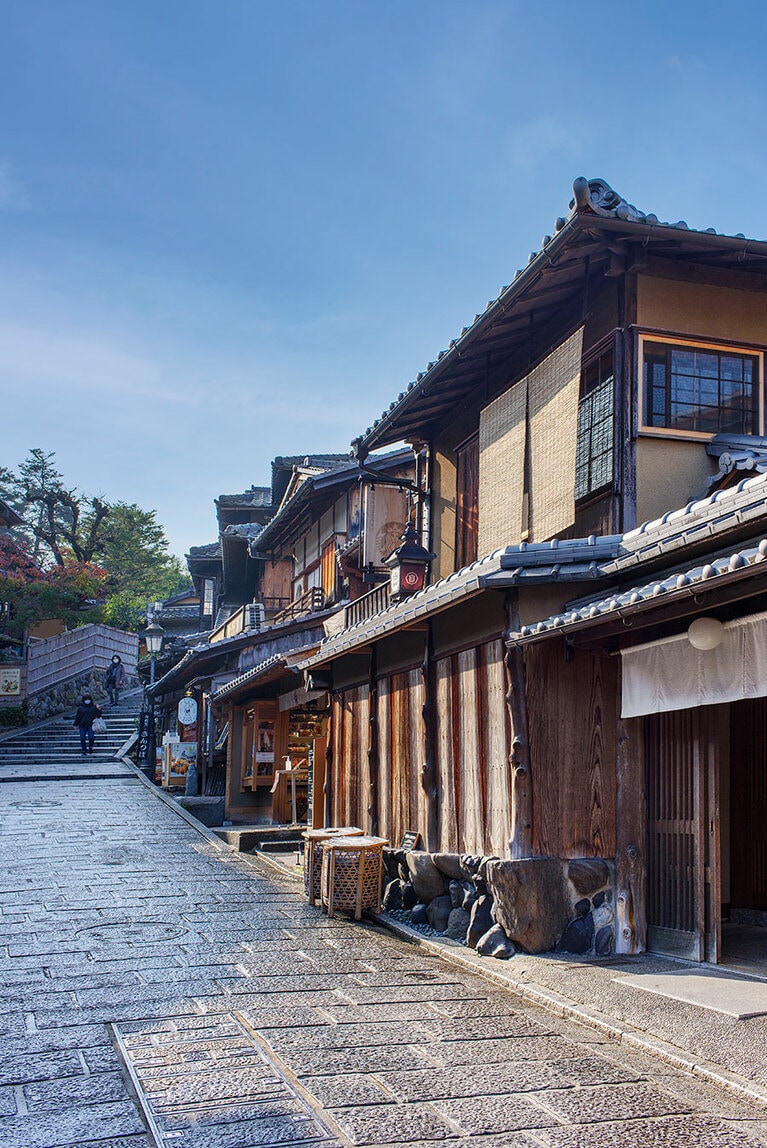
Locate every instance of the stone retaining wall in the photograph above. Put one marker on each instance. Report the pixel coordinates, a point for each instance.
(538, 904)
(66, 695)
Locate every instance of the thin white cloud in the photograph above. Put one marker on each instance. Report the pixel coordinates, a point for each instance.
(13, 196)
(546, 135)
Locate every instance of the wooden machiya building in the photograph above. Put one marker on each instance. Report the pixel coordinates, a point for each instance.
(325, 546)
(593, 450)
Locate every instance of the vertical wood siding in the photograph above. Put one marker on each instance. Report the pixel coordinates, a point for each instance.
(472, 751)
(351, 732)
(572, 713)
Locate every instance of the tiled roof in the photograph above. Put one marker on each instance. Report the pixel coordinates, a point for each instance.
(248, 530)
(207, 550)
(572, 560)
(256, 496)
(594, 204)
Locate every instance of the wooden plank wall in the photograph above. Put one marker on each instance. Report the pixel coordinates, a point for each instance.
(572, 709)
(472, 751)
(401, 756)
(351, 733)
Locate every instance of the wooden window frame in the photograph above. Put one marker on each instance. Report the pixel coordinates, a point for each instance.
(466, 529)
(740, 349)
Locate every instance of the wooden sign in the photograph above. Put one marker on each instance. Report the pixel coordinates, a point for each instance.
(410, 840)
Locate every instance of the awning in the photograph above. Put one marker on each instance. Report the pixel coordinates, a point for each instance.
(671, 674)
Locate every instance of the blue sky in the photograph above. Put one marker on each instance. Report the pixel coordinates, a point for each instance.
(231, 229)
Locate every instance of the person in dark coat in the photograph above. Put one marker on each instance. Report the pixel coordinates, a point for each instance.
(87, 712)
(115, 678)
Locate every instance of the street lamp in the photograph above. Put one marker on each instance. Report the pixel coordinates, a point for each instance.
(408, 565)
(153, 636)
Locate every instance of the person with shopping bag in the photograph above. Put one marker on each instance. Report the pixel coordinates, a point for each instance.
(85, 718)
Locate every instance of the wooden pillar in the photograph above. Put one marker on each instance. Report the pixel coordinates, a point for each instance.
(429, 771)
(373, 764)
(521, 843)
(631, 835)
(327, 787)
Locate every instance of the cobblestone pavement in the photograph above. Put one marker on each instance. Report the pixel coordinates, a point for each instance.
(159, 991)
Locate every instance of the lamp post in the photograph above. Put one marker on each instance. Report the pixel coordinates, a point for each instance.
(153, 636)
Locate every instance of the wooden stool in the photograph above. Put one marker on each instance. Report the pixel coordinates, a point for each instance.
(315, 840)
(351, 874)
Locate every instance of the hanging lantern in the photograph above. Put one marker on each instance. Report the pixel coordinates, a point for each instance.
(705, 633)
(408, 565)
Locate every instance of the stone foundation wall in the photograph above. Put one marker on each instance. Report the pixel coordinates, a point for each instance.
(66, 695)
(538, 904)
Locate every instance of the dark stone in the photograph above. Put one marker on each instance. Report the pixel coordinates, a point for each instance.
(532, 900)
(208, 810)
(409, 895)
(438, 912)
(392, 898)
(391, 863)
(418, 915)
(588, 875)
(457, 924)
(450, 865)
(496, 944)
(427, 880)
(603, 942)
(582, 907)
(599, 899)
(470, 895)
(456, 893)
(578, 936)
(471, 864)
(480, 919)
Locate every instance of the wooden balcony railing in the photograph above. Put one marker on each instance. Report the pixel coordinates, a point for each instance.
(309, 603)
(371, 603)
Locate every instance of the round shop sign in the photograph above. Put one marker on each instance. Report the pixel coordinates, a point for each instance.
(187, 711)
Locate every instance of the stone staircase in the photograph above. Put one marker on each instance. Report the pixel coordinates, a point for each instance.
(51, 750)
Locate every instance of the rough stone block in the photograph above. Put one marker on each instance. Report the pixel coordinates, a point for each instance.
(480, 919)
(392, 898)
(438, 912)
(531, 900)
(458, 924)
(578, 936)
(495, 943)
(427, 880)
(419, 915)
(450, 865)
(588, 875)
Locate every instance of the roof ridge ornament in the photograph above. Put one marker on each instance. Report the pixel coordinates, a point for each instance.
(596, 196)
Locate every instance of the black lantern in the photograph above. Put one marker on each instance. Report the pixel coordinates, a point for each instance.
(408, 565)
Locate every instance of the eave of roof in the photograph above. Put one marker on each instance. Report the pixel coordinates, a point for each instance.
(578, 560)
(270, 670)
(594, 228)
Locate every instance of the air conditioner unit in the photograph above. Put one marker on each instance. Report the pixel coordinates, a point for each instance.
(255, 616)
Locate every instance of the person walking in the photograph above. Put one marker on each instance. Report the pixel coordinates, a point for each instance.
(115, 678)
(87, 712)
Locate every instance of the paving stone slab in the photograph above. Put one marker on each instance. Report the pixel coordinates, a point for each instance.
(372, 1124)
(366, 1060)
(674, 1132)
(626, 1101)
(479, 1052)
(493, 1079)
(70, 1127)
(494, 1114)
(18, 1068)
(80, 1091)
(350, 1090)
(333, 1036)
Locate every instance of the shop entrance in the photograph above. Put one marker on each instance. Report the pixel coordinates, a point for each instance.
(706, 786)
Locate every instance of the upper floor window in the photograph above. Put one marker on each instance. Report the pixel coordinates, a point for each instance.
(207, 598)
(466, 502)
(594, 450)
(700, 390)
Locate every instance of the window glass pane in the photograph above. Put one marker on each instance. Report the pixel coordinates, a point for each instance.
(706, 391)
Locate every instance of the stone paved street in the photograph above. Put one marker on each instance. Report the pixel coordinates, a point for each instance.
(157, 990)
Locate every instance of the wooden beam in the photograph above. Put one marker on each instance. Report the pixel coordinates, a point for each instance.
(373, 764)
(631, 832)
(521, 843)
(428, 713)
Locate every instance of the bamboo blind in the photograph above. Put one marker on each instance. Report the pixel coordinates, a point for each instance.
(553, 389)
(502, 469)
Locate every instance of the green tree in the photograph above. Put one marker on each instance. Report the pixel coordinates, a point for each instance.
(135, 552)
